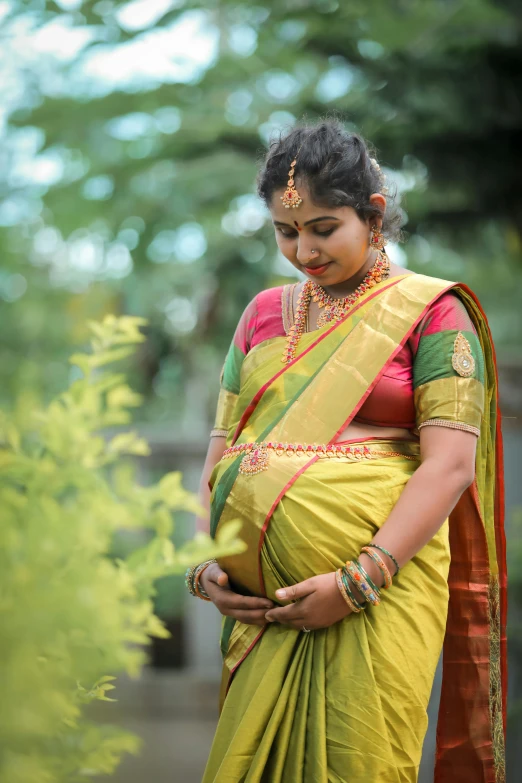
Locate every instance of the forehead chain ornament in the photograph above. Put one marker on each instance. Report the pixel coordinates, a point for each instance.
(291, 197)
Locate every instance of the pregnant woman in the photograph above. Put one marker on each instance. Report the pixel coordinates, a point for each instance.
(358, 440)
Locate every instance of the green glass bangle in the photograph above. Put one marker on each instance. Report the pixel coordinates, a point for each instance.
(381, 565)
(365, 575)
(395, 563)
(351, 594)
(359, 580)
(346, 582)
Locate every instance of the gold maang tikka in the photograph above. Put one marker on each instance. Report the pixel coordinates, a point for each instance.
(291, 197)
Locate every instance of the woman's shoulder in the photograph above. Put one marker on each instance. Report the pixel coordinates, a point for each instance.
(269, 298)
(445, 295)
(265, 311)
(421, 280)
(444, 318)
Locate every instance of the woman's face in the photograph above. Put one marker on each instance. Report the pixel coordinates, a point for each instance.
(339, 237)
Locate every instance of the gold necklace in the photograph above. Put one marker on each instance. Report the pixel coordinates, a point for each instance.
(334, 309)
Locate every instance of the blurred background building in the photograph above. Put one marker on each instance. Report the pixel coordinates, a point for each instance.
(130, 135)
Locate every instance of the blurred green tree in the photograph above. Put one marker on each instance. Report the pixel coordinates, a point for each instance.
(130, 145)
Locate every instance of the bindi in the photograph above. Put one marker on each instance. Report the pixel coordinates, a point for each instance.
(296, 224)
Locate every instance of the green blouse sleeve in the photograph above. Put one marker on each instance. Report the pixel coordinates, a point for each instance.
(448, 369)
(231, 372)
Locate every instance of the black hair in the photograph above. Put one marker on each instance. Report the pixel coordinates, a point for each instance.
(337, 168)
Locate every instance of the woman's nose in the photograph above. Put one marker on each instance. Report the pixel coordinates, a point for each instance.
(304, 250)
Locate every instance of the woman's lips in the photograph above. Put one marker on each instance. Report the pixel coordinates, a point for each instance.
(317, 270)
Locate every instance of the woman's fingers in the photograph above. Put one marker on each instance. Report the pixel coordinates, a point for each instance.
(235, 602)
(212, 579)
(222, 580)
(285, 614)
(213, 573)
(254, 617)
(299, 590)
(247, 609)
(229, 602)
(293, 612)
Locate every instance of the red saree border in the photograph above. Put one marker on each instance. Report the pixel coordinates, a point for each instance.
(472, 714)
(455, 757)
(230, 673)
(500, 538)
(245, 654)
(500, 533)
(257, 397)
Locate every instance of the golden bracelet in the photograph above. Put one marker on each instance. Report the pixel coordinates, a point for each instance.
(452, 425)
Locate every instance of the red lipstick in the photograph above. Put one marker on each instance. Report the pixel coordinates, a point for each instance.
(317, 270)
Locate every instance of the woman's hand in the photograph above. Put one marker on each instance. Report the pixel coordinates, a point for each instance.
(320, 604)
(247, 609)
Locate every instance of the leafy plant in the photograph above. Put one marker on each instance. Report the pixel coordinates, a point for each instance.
(71, 616)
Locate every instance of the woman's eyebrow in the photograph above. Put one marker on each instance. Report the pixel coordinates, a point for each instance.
(323, 217)
(314, 220)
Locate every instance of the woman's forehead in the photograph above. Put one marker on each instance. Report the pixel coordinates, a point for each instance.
(305, 212)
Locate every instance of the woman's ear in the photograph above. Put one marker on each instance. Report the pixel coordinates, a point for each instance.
(379, 201)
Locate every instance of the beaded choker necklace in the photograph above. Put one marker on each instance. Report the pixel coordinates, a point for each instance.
(334, 309)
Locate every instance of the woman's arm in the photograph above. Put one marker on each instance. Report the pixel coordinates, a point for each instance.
(447, 468)
(216, 447)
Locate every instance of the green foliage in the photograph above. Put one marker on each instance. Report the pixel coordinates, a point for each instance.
(432, 83)
(69, 613)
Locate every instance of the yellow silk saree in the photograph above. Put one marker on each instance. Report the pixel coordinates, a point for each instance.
(348, 703)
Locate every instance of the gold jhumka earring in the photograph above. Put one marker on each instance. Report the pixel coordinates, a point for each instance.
(377, 239)
(291, 197)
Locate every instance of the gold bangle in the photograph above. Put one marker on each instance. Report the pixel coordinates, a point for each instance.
(381, 565)
(198, 590)
(215, 433)
(452, 425)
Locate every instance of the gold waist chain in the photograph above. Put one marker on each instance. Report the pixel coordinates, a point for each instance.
(257, 455)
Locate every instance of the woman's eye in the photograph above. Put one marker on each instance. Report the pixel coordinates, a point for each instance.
(291, 234)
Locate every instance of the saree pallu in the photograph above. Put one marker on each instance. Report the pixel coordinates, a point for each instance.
(348, 703)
